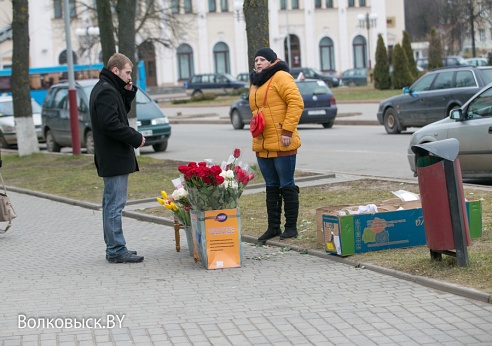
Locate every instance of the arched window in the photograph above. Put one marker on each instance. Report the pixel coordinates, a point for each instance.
(327, 54)
(295, 51)
(185, 62)
(62, 58)
(221, 58)
(359, 46)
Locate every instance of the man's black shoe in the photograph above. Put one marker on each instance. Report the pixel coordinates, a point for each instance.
(126, 258)
(129, 251)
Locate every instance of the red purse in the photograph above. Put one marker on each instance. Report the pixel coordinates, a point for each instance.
(257, 123)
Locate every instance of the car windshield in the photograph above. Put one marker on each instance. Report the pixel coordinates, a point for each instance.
(36, 108)
(313, 88)
(6, 108)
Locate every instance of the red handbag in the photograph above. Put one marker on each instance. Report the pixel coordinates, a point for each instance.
(257, 123)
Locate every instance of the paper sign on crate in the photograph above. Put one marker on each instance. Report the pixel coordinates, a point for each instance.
(217, 237)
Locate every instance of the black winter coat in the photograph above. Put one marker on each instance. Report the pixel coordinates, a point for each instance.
(114, 139)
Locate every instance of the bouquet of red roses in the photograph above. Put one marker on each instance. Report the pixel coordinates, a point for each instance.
(212, 187)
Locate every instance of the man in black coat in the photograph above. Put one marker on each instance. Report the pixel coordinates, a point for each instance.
(114, 154)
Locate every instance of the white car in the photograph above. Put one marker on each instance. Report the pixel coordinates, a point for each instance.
(476, 62)
(471, 125)
(8, 136)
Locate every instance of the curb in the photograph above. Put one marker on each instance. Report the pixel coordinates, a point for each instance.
(431, 283)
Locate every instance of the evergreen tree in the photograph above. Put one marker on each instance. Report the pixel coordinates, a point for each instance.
(401, 76)
(407, 48)
(382, 78)
(435, 50)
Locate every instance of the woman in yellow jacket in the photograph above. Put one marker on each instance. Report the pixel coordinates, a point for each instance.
(276, 148)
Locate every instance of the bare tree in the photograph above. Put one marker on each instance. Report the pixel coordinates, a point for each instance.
(27, 141)
(257, 31)
(106, 29)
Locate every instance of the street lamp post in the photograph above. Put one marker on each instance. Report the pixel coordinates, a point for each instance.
(368, 21)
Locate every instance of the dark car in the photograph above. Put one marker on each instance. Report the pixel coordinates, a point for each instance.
(55, 117)
(319, 105)
(452, 60)
(214, 83)
(431, 97)
(308, 72)
(354, 77)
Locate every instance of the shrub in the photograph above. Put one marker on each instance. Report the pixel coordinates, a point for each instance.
(407, 48)
(401, 76)
(204, 97)
(435, 50)
(382, 80)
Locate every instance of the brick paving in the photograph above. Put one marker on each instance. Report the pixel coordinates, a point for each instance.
(53, 268)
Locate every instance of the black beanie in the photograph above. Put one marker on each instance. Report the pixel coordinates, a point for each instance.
(267, 53)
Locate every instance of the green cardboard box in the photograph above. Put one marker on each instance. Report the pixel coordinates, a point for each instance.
(396, 225)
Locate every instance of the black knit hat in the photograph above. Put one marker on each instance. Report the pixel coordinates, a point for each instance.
(267, 53)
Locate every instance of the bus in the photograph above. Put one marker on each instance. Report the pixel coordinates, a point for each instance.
(41, 78)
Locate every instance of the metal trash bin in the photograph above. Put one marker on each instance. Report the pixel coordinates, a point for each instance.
(443, 203)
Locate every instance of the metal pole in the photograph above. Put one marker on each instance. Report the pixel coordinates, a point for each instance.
(72, 92)
(288, 38)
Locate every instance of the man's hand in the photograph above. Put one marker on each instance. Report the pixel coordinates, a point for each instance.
(143, 142)
(129, 85)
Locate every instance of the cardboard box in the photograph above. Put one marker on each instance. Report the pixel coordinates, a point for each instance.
(397, 224)
(217, 237)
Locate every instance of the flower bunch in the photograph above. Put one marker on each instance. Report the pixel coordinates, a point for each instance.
(236, 174)
(178, 203)
(199, 175)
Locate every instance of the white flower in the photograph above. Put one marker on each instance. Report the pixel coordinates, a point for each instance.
(228, 175)
(179, 193)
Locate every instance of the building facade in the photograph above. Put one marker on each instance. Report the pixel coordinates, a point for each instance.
(329, 35)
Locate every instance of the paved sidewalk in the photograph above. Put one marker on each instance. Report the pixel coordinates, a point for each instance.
(54, 273)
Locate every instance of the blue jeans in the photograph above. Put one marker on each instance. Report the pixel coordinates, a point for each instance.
(278, 171)
(114, 200)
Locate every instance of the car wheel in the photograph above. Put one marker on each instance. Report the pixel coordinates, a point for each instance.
(89, 142)
(197, 93)
(329, 84)
(236, 120)
(328, 125)
(51, 144)
(391, 122)
(159, 147)
(3, 142)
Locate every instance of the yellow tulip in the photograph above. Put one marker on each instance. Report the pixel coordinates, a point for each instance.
(161, 201)
(164, 194)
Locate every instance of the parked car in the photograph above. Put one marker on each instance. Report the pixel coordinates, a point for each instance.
(8, 137)
(431, 97)
(452, 60)
(477, 61)
(319, 105)
(216, 83)
(308, 72)
(471, 126)
(243, 77)
(55, 116)
(354, 76)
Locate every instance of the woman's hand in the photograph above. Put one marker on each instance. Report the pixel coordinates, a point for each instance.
(286, 140)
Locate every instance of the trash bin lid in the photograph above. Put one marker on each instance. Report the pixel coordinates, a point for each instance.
(447, 149)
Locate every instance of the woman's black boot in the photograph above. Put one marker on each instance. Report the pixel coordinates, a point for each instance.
(291, 210)
(274, 211)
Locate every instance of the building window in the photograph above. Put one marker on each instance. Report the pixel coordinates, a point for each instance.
(57, 4)
(481, 32)
(317, 3)
(362, 3)
(223, 6)
(327, 54)
(351, 3)
(185, 62)
(221, 58)
(174, 6)
(295, 4)
(187, 6)
(211, 6)
(359, 47)
(329, 3)
(283, 4)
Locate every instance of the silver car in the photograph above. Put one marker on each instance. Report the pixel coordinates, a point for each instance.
(471, 125)
(8, 136)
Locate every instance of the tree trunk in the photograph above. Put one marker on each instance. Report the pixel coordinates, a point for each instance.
(257, 27)
(27, 141)
(106, 29)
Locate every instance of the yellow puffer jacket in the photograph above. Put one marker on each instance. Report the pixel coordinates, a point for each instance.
(282, 111)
